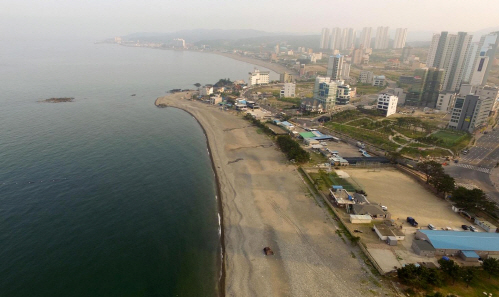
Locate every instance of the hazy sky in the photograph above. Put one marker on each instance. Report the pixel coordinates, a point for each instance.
(106, 18)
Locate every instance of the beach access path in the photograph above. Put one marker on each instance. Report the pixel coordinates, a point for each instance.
(266, 203)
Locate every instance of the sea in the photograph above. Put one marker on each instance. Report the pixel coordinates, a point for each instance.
(107, 195)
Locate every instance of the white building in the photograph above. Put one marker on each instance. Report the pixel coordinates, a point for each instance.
(324, 39)
(381, 41)
(400, 37)
(335, 39)
(379, 80)
(179, 43)
(387, 104)
(335, 67)
(365, 37)
(349, 37)
(214, 100)
(445, 101)
(478, 74)
(345, 71)
(206, 90)
(288, 90)
(258, 77)
(366, 77)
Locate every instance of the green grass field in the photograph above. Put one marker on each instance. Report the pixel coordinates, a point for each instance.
(454, 140)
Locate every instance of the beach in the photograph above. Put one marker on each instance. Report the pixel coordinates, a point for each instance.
(272, 66)
(266, 203)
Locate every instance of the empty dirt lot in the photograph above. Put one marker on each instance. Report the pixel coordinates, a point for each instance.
(404, 197)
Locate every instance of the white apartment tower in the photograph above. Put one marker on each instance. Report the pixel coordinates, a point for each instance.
(483, 59)
(335, 39)
(451, 53)
(324, 38)
(381, 41)
(349, 37)
(400, 37)
(335, 67)
(365, 37)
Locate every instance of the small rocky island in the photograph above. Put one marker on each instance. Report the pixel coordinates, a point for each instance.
(58, 100)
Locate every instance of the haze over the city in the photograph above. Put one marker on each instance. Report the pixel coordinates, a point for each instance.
(99, 19)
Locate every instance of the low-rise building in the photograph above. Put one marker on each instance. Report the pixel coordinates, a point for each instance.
(451, 243)
(387, 103)
(360, 219)
(445, 101)
(311, 105)
(258, 77)
(366, 77)
(379, 80)
(374, 210)
(206, 90)
(486, 225)
(423, 248)
(288, 90)
(385, 231)
(214, 100)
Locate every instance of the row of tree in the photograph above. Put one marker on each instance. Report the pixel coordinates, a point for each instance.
(414, 124)
(424, 278)
(472, 200)
(292, 149)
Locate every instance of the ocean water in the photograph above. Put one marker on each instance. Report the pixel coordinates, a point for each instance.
(107, 195)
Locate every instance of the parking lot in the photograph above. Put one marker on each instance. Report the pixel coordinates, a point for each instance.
(344, 150)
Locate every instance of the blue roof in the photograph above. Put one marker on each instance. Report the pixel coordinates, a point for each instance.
(461, 240)
(470, 254)
(286, 123)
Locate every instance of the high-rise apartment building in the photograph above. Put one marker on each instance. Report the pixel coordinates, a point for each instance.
(349, 37)
(451, 53)
(335, 67)
(485, 54)
(382, 37)
(365, 37)
(324, 39)
(406, 53)
(426, 87)
(335, 39)
(400, 37)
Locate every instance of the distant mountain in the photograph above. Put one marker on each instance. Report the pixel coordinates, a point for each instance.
(193, 36)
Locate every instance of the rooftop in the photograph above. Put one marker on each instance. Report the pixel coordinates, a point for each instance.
(424, 245)
(462, 240)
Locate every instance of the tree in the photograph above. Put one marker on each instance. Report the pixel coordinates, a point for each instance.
(430, 169)
(491, 266)
(472, 200)
(394, 156)
(450, 268)
(443, 183)
(197, 85)
(468, 275)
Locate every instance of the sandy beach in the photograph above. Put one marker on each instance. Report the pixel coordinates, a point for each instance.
(272, 66)
(266, 203)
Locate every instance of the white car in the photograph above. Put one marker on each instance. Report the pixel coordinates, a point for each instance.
(384, 208)
(431, 227)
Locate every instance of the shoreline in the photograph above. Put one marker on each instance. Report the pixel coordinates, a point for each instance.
(266, 204)
(221, 258)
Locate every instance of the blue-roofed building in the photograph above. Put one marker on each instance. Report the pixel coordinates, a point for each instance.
(461, 243)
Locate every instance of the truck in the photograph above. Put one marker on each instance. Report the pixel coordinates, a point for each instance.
(412, 221)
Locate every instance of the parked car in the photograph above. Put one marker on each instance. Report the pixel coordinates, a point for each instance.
(384, 208)
(465, 227)
(412, 221)
(473, 229)
(465, 152)
(431, 227)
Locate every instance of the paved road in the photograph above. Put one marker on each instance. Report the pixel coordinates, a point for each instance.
(474, 167)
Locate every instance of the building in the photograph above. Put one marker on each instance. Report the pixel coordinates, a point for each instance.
(335, 67)
(345, 71)
(258, 77)
(335, 39)
(365, 37)
(451, 53)
(379, 80)
(423, 248)
(385, 231)
(288, 90)
(286, 77)
(366, 77)
(343, 94)
(470, 112)
(325, 92)
(387, 104)
(214, 100)
(382, 38)
(374, 210)
(451, 243)
(406, 53)
(311, 105)
(478, 74)
(400, 37)
(482, 55)
(349, 38)
(486, 225)
(206, 90)
(426, 87)
(487, 92)
(358, 55)
(178, 43)
(445, 101)
(360, 219)
(324, 39)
